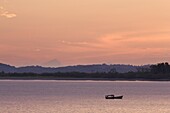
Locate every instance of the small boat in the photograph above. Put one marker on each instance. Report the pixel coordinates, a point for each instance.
(113, 97)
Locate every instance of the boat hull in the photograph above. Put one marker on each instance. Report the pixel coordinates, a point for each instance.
(113, 97)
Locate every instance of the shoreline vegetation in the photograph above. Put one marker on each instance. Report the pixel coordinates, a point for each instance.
(130, 76)
(158, 72)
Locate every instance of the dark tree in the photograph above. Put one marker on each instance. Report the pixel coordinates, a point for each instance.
(160, 68)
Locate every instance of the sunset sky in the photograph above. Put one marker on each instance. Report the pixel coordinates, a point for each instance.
(71, 32)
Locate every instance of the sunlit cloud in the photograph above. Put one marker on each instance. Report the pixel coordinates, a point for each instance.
(5, 13)
(121, 42)
(73, 43)
(122, 46)
(8, 15)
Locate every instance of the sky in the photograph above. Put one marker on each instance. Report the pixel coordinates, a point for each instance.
(72, 32)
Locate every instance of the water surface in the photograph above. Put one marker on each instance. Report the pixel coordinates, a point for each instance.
(45, 96)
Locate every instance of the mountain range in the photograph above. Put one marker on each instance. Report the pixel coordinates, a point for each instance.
(120, 68)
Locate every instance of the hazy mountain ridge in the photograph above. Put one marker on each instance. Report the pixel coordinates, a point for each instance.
(121, 68)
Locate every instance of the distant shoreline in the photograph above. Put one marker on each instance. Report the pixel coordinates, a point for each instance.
(93, 79)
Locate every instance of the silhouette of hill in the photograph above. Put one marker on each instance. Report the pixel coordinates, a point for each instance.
(120, 68)
(7, 68)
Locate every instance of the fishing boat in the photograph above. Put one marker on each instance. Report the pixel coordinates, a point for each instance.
(113, 97)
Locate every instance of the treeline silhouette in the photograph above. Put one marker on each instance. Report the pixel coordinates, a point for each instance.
(163, 68)
(160, 71)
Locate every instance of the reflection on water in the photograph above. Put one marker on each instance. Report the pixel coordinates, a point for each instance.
(83, 97)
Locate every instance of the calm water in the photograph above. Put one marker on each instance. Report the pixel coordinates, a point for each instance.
(83, 97)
